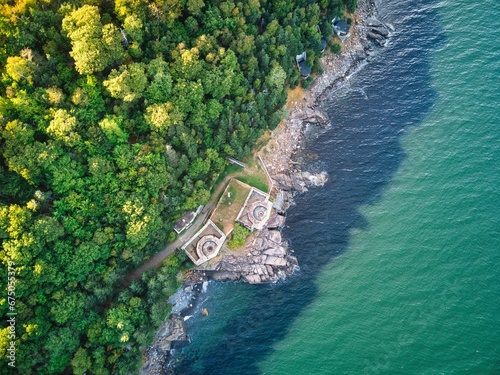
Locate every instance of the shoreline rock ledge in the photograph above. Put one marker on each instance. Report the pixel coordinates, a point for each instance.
(171, 335)
(267, 260)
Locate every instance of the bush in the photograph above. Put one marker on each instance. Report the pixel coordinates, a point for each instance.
(238, 236)
(307, 82)
(336, 48)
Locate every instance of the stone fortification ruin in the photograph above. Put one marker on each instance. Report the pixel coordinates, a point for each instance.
(205, 244)
(256, 210)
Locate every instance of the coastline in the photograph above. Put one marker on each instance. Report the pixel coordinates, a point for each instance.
(337, 69)
(280, 157)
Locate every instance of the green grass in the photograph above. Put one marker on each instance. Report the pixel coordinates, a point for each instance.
(254, 175)
(230, 169)
(230, 205)
(256, 182)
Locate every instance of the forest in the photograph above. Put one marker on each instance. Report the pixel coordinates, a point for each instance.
(115, 118)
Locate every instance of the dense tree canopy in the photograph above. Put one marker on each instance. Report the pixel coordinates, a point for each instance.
(116, 117)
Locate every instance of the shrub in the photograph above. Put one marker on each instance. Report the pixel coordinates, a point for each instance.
(238, 236)
(336, 48)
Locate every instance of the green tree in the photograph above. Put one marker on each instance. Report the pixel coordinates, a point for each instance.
(128, 83)
(161, 116)
(63, 128)
(84, 28)
(20, 69)
(194, 6)
(81, 362)
(112, 129)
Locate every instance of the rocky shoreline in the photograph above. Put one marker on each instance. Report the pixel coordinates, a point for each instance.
(267, 257)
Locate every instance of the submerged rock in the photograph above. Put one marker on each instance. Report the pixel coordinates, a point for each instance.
(377, 31)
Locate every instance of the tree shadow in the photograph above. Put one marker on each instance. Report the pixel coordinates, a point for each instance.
(361, 152)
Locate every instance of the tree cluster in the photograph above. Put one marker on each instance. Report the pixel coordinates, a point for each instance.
(115, 118)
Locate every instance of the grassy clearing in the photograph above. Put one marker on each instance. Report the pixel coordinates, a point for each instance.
(230, 205)
(254, 175)
(256, 182)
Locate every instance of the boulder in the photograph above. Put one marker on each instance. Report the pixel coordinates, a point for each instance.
(279, 251)
(274, 236)
(376, 38)
(276, 261)
(270, 270)
(373, 22)
(252, 279)
(315, 115)
(226, 276)
(260, 242)
(178, 336)
(276, 221)
(381, 31)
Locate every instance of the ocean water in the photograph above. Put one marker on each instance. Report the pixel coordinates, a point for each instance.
(400, 250)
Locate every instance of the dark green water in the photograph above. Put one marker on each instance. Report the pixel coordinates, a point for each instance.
(400, 251)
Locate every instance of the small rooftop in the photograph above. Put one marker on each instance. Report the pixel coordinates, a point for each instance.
(304, 69)
(184, 221)
(341, 28)
(323, 45)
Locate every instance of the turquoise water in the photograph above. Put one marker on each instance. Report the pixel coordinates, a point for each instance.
(400, 252)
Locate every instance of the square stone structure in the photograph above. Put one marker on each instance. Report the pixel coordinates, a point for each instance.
(205, 244)
(256, 210)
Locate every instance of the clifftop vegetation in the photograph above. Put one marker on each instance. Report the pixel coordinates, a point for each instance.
(115, 118)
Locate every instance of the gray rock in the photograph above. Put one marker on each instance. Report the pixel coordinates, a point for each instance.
(381, 31)
(172, 334)
(276, 261)
(258, 243)
(226, 276)
(274, 236)
(315, 115)
(374, 36)
(373, 22)
(279, 251)
(276, 221)
(270, 270)
(252, 279)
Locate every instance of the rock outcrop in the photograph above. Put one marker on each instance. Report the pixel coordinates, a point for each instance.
(299, 181)
(313, 115)
(172, 334)
(267, 260)
(377, 31)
